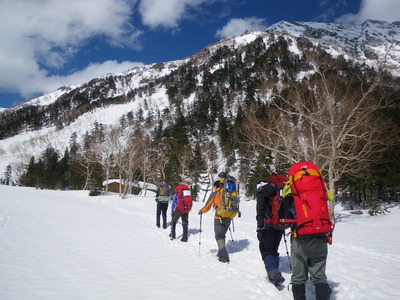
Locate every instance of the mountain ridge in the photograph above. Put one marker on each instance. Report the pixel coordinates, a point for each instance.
(365, 41)
(219, 84)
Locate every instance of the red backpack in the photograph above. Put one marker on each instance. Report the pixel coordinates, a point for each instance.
(310, 199)
(277, 211)
(184, 198)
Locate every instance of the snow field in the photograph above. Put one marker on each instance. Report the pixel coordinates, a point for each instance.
(67, 245)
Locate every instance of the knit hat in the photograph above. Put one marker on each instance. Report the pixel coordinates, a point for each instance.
(261, 184)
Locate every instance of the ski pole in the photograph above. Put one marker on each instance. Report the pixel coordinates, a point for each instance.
(230, 232)
(201, 218)
(287, 251)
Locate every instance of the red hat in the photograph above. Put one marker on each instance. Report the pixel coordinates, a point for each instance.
(278, 179)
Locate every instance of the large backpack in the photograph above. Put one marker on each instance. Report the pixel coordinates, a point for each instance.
(163, 193)
(310, 199)
(184, 198)
(229, 202)
(276, 204)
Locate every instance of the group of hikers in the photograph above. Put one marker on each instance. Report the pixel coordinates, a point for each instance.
(298, 201)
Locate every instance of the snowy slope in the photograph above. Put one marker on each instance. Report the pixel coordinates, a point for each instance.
(67, 245)
(372, 41)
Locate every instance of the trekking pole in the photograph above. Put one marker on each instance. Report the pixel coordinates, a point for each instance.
(231, 233)
(201, 218)
(287, 251)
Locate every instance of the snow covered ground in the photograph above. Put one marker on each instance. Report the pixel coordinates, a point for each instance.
(67, 245)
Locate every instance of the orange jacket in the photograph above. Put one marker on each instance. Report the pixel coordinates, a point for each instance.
(214, 200)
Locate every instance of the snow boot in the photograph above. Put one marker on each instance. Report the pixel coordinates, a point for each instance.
(173, 226)
(271, 265)
(185, 233)
(164, 222)
(322, 291)
(299, 291)
(275, 277)
(222, 254)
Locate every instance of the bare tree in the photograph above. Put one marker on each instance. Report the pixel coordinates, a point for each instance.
(125, 150)
(329, 119)
(144, 161)
(105, 150)
(184, 159)
(130, 165)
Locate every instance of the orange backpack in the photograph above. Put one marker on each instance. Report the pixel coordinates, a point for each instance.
(310, 199)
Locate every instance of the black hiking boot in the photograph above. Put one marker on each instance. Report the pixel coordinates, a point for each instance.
(223, 256)
(299, 292)
(322, 291)
(223, 259)
(172, 235)
(185, 233)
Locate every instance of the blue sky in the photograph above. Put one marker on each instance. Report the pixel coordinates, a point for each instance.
(45, 44)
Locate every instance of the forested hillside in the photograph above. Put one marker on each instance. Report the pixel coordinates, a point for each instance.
(249, 106)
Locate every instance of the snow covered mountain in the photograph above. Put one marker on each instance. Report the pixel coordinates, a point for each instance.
(371, 40)
(223, 78)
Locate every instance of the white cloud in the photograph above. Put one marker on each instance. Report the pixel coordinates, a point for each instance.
(238, 26)
(42, 34)
(167, 13)
(383, 10)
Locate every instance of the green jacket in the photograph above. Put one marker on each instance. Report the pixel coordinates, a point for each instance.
(287, 190)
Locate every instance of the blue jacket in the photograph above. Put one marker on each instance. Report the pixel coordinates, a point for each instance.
(173, 203)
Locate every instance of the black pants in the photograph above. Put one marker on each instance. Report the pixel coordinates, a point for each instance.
(184, 217)
(161, 209)
(185, 222)
(269, 241)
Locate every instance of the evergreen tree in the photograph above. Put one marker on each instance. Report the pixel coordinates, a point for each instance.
(224, 134)
(63, 170)
(8, 175)
(73, 143)
(51, 174)
(197, 168)
(259, 171)
(30, 177)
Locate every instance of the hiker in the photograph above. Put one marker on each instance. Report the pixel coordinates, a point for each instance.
(162, 199)
(269, 237)
(180, 208)
(309, 248)
(221, 225)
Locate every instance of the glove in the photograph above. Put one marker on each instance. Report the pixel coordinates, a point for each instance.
(200, 212)
(266, 227)
(156, 199)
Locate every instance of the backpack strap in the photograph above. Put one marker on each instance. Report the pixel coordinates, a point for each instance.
(304, 172)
